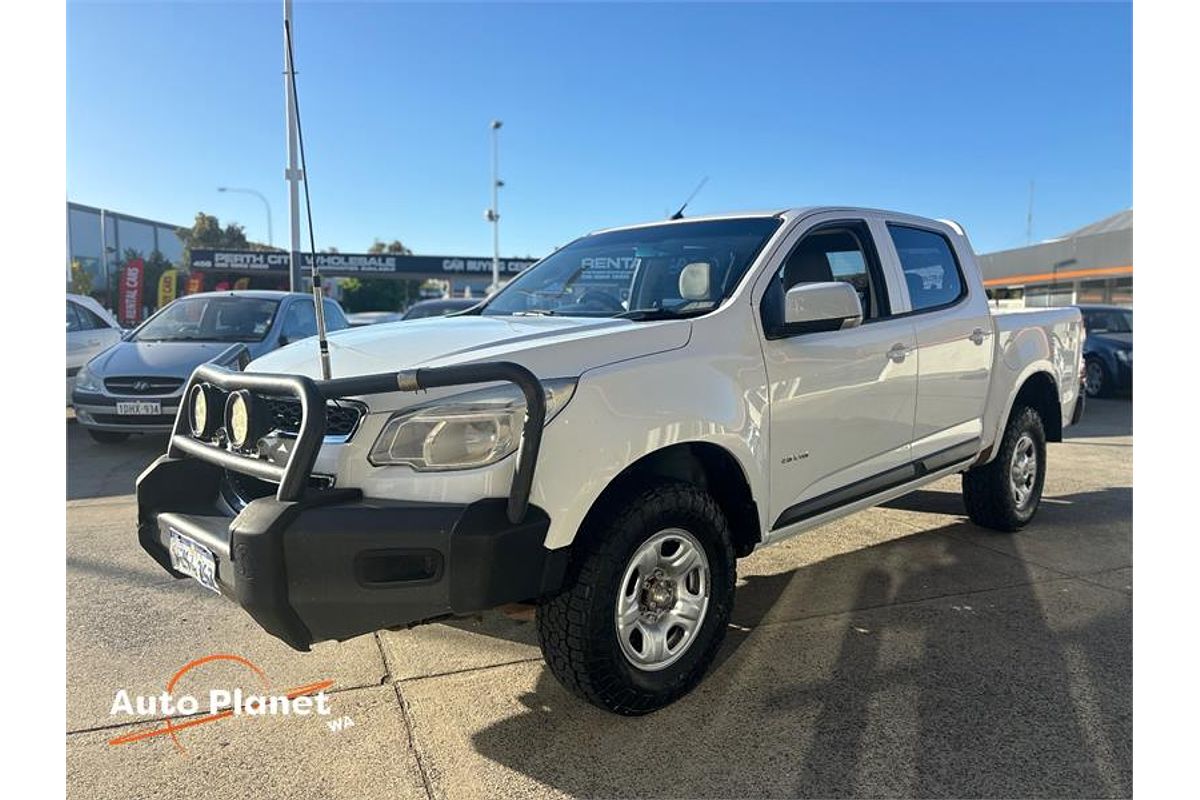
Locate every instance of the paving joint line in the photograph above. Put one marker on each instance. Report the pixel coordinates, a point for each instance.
(467, 669)
(406, 718)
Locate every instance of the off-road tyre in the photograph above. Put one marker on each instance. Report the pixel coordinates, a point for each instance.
(577, 628)
(988, 491)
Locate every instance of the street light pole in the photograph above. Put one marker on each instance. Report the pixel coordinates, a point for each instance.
(493, 214)
(293, 168)
(266, 205)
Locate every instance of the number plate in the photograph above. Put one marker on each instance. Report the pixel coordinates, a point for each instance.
(192, 558)
(140, 407)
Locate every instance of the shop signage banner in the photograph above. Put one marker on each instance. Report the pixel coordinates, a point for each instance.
(168, 285)
(343, 265)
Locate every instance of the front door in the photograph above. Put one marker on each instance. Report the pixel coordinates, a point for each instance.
(842, 403)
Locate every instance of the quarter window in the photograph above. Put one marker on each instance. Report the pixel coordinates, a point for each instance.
(931, 271)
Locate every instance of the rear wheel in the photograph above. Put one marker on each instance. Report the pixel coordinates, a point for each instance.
(647, 601)
(1004, 494)
(108, 437)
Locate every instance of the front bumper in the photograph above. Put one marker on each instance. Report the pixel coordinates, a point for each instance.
(99, 411)
(335, 564)
(313, 564)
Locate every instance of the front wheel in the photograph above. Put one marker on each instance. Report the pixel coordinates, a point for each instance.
(1004, 494)
(1095, 378)
(646, 603)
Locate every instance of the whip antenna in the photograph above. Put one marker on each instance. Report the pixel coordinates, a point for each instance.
(318, 295)
(679, 214)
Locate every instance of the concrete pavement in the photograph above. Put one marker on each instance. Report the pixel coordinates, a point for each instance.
(899, 652)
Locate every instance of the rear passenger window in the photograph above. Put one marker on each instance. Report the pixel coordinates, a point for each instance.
(930, 268)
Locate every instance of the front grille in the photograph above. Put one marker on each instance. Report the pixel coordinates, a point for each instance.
(341, 417)
(139, 385)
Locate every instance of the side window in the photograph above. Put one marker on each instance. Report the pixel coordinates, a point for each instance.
(301, 321)
(335, 320)
(74, 323)
(931, 270)
(841, 251)
(90, 320)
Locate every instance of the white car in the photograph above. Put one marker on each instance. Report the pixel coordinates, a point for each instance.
(90, 331)
(607, 435)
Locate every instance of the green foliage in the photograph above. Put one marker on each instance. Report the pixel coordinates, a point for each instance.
(380, 294)
(206, 233)
(395, 247)
(81, 280)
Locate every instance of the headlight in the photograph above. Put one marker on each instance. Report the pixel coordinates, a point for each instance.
(465, 431)
(1125, 356)
(86, 380)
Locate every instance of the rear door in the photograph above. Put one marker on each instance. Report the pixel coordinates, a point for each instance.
(842, 402)
(948, 306)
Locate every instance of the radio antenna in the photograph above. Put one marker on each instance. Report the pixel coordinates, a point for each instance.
(679, 214)
(318, 295)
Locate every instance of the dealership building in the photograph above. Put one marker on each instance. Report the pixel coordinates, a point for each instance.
(1091, 265)
(98, 239)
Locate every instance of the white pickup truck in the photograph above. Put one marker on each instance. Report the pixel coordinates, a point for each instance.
(607, 435)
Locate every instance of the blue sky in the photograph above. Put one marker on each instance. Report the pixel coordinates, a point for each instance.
(612, 114)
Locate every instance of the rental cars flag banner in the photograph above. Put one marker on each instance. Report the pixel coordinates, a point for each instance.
(131, 291)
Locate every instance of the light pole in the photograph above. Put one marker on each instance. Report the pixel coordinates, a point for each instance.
(266, 205)
(493, 214)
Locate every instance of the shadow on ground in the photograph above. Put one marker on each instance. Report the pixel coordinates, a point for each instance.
(953, 662)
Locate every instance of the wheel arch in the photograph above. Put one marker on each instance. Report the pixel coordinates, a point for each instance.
(708, 466)
(1039, 391)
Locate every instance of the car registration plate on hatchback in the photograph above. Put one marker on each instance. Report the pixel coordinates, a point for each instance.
(192, 558)
(139, 407)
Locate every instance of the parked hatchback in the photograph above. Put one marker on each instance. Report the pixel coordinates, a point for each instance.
(135, 386)
(90, 331)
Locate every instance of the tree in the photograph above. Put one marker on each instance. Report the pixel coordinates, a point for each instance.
(81, 279)
(380, 294)
(395, 246)
(206, 233)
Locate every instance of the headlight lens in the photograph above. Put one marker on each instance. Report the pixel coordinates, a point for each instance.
(86, 380)
(465, 431)
(1125, 356)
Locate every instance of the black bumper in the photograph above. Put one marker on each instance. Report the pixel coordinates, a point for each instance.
(335, 564)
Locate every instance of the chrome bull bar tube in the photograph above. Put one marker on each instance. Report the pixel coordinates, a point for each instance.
(312, 394)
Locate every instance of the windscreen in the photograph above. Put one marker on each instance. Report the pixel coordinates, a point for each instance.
(656, 271)
(210, 319)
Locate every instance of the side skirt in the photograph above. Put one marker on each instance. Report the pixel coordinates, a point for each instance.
(854, 493)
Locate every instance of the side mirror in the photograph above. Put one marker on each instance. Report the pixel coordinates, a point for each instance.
(814, 307)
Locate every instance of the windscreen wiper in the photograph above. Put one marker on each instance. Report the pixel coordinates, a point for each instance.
(647, 314)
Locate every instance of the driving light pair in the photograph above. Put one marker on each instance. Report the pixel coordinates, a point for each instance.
(464, 431)
(241, 415)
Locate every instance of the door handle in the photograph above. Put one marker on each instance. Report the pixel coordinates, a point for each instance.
(897, 353)
(978, 335)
